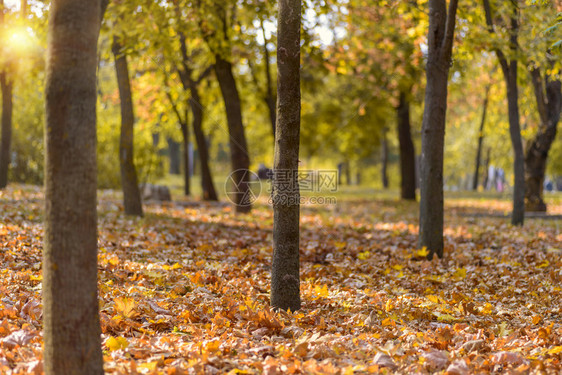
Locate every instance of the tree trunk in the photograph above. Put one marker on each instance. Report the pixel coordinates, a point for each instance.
(486, 166)
(440, 42)
(549, 105)
(509, 69)
(269, 97)
(185, 154)
(518, 214)
(285, 274)
(240, 158)
(72, 333)
(407, 151)
(129, 181)
(7, 109)
(175, 158)
(384, 161)
(480, 140)
(209, 192)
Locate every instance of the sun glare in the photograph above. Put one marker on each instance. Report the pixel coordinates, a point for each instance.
(19, 40)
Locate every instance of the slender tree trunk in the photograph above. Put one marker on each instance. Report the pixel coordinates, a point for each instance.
(129, 181)
(440, 42)
(509, 69)
(518, 214)
(72, 333)
(285, 274)
(209, 192)
(549, 103)
(480, 140)
(270, 96)
(347, 172)
(384, 161)
(185, 157)
(7, 109)
(486, 166)
(407, 151)
(240, 158)
(175, 158)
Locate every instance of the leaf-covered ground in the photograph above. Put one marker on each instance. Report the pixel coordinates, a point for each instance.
(185, 290)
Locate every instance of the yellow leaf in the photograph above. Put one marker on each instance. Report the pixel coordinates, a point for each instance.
(545, 263)
(364, 255)
(537, 319)
(460, 273)
(116, 343)
(433, 298)
(423, 252)
(125, 307)
(555, 350)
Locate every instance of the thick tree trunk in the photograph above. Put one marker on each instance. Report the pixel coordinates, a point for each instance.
(129, 181)
(384, 160)
(407, 151)
(441, 31)
(240, 158)
(549, 103)
(72, 334)
(7, 109)
(285, 274)
(185, 159)
(480, 140)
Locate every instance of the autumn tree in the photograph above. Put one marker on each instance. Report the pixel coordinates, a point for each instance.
(440, 44)
(508, 65)
(129, 181)
(547, 89)
(285, 274)
(72, 334)
(216, 22)
(6, 86)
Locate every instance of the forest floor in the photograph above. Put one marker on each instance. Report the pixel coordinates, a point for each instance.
(186, 290)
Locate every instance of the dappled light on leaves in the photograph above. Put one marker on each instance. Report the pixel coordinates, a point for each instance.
(186, 291)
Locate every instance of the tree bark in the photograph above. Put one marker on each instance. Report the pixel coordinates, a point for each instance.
(175, 158)
(209, 192)
(129, 181)
(269, 96)
(384, 161)
(480, 140)
(549, 100)
(407, 151)
(188, 83)
(240, 158)
(72, 334)
(285, 273)
(7, 110)
(185, 156)
(440, 42)
(509, 69)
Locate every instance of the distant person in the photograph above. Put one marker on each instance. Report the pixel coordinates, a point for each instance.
(548, 185)
(264, 173)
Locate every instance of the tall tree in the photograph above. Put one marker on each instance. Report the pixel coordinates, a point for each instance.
(480, 140)
(72, 333)
(285, 274)
(6, 86)
(218, 39)
(192, 86)
(407, 151)
(548, 96)
(440, 44)
(129, 181)
(509, 69)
